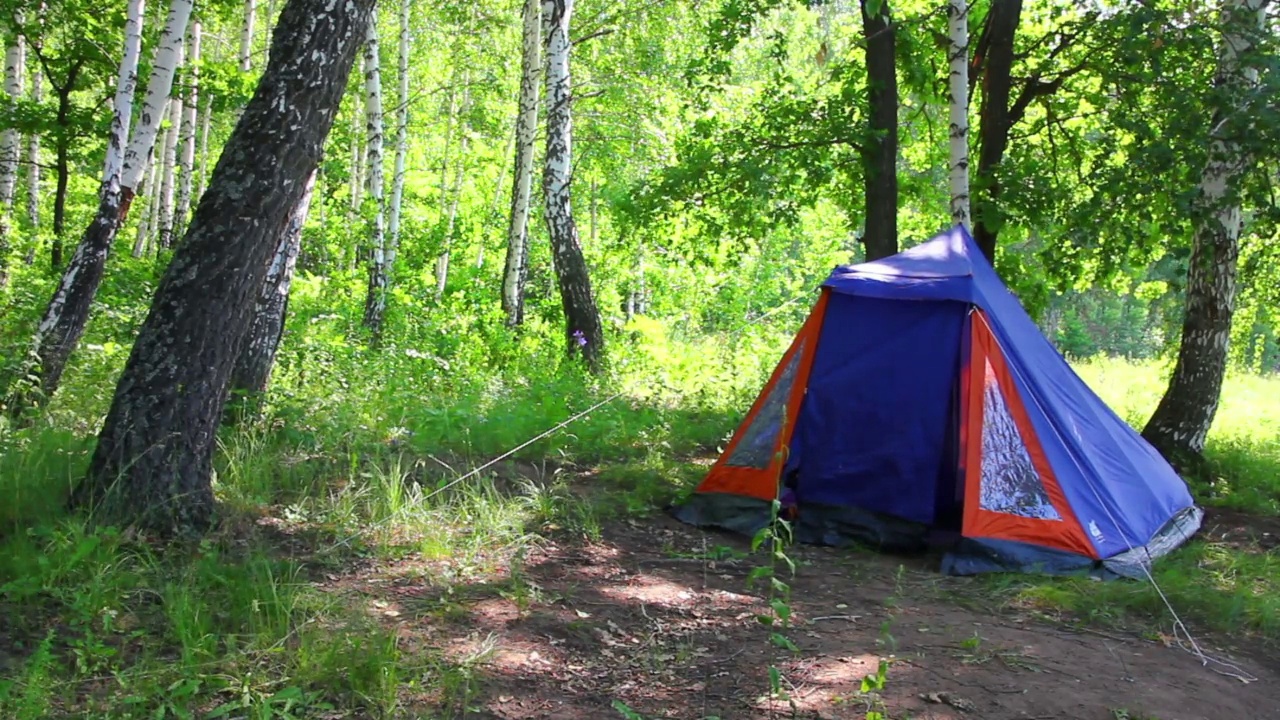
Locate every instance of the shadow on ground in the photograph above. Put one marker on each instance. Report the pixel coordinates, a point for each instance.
(641, 619)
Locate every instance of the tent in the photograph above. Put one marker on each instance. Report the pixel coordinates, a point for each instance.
(919, 404)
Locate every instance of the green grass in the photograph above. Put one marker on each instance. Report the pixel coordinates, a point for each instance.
(337, 471)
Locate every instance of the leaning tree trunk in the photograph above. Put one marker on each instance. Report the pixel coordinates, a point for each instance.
(152, 464)
(583, 330)
(187, 140)
(958, 55)
(517, 267)
(994, 116)
(1181, 422)
(880, 147)
(253, 365)
(10, 151)
(375, 304)
(402, 137)
(68, 310)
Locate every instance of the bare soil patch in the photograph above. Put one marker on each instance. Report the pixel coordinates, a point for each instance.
(643, 618)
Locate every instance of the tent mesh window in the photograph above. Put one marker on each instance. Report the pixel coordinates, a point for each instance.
(1010, 483)
(755, 448)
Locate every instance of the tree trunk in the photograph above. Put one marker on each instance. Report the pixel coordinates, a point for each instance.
(375, 304)
(459, 167)
(68, 310)
(169, 161)
(583, 331)
(187, 140)
(10, 153)
(152, 464)
(958, 55)
(253, 366)
(402, 137)
(202, 175)
(246, 35)
(517, 267)
(1181, 422)
(146, 189)
(358, 121)
(126, 87)
(994, 118)
(33, 160)
(880, 148)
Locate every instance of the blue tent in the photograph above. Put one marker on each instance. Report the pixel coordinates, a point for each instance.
(918, 399)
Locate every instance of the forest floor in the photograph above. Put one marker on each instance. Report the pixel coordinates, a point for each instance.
(655, 619)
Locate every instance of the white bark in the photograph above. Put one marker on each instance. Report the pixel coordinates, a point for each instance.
(442, 262)
(147, 189)
(168, 55)
(126, 84)
(958, 54)
(358, 121)
(169, 159)
(376, 302)
(246, 35)
(1182, 421)
(513, 278)
(187, 140)
(202, 175)
(402, 137)
(11, 141)
(33, 156)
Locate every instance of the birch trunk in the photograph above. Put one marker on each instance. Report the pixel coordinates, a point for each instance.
(1181, 422)
(958, 55)
(880, 150)
(33, 159)
(152, 464)
(10, 151)
(402, 138)
(358, 120)
(583, 331)
(246, 35)
(376, 301)
(169, 160)
(126, 86)
(187, 140)
(202, 175)
(455, 195)
(147, 189)
(253, 366)
(64, 318)
(517, 267)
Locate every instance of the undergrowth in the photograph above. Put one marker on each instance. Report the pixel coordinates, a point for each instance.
(356, 456)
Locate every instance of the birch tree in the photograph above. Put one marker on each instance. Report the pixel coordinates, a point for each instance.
(187, 140)
(33, 158)
(402, 137)
(169, 162)
(583, 330)
(1181, 422)
(517, 267)
(64, 318)
(152, 464)
(454, 194)
(253, 366)
(10, 151)
(958, 56)
(246, 35)
(376, 301)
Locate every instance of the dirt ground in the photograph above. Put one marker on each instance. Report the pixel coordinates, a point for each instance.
(642, 618)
